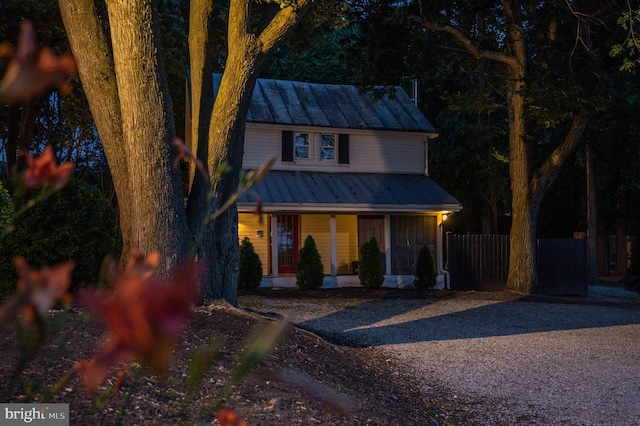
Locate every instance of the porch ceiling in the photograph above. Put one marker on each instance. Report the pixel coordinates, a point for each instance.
(348, 192)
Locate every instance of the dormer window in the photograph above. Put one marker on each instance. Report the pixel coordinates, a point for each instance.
(327, 147)
(302, 145)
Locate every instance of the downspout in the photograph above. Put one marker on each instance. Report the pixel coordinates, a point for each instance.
(441, 269)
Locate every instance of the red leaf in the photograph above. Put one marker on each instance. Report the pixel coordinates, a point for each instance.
(144, 315)
(33, 71)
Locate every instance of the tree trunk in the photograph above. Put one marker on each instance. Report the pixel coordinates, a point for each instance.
(92, 52)
(158, 214)
(226, 139)
(128, 96)
(247, 54)
(621, 239)
(201, 68)
(592, 220)
(523, 274)
(13, 133)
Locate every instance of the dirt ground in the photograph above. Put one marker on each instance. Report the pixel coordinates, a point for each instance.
(306, 380)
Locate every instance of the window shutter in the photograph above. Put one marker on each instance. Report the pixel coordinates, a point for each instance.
(287, 145)
(343, 148)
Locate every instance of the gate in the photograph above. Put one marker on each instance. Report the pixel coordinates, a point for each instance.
(481, 262)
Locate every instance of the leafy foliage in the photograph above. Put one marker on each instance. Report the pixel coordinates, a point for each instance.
(250, 273)
(6, 211)
(425, 270)
(309, 269)
(78, 223)
(370, 270)
(630, 21)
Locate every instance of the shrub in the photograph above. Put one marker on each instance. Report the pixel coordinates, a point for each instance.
(309, 269)
(370, 269)
(6, 210)
(250, 273)
(77, 223)
(425, 270)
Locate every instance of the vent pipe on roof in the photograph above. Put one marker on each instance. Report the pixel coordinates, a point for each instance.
(414, 91)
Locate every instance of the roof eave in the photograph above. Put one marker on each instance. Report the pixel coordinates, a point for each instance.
(348, 208)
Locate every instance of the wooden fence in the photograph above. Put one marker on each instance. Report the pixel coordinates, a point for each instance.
(481, 262)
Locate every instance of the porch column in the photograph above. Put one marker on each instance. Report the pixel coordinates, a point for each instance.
(440, 243)
(387, 244)
(332, 231)
(274, 245)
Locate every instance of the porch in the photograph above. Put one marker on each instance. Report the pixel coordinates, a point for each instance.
(278, 236)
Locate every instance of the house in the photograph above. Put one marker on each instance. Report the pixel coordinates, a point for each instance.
(348, 168)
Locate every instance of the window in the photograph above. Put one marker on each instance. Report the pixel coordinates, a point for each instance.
(301, 145)
(330, 148)
(327, 147)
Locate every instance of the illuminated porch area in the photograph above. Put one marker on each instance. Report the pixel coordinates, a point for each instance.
(341, 211)
(277, 238)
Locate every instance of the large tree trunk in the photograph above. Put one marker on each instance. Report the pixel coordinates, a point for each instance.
(92, 52)
(158, 214)
(592, 220)
(226, 138)
(201, 68)
(128, 96)
(247, 53)
(523, 275)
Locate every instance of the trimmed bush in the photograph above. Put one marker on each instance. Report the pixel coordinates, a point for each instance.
(77, 223)
(309, 269)
(370, 269)
(250, 273)
(425, 270)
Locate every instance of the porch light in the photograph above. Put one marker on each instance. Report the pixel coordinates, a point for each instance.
(444, 216)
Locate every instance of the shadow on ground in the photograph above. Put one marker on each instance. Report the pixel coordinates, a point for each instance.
(389, 319)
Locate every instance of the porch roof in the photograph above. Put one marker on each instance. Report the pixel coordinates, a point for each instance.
(297, 191)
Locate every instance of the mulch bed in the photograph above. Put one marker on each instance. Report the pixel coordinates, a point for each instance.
(306, 380)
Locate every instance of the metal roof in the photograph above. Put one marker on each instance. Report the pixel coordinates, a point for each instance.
(284, 190)
(331, 105)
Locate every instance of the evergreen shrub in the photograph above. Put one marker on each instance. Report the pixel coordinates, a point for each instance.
(425, 270)
(250, 273)
(370, 269)
(78, 223)
(6, 210)
(309, 269)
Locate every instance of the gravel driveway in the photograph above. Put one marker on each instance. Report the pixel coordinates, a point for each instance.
(517, 362)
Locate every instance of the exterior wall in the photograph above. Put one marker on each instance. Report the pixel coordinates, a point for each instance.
(346, 243)
(370, 151)
(248, 226)
(317, 225)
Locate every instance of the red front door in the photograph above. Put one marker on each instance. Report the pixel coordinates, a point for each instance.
(287, 235)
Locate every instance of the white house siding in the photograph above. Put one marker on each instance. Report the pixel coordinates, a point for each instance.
(248, 226)
(386, 153)
(317, 225)
(370, 152)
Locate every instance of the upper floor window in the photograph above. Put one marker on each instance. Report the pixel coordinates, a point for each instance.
(315, 147)
(327, 147)
(301, 146)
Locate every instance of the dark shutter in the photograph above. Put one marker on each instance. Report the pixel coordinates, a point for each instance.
(343, 148)
(287, 145)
